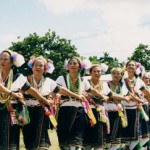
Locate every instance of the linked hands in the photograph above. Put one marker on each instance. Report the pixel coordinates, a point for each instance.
(81, 98)
(19, 96)
(135, 98)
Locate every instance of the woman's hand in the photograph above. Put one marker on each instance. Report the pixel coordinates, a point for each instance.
(105, 98)
(50, 101)
(19, 96)
(81, 98)
(135, 98)
(127, 99)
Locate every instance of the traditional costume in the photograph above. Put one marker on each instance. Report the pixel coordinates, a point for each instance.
(133, 131)
(95, 134)
(36, 132)
(71, 115)
(10, 111)
(117, 115)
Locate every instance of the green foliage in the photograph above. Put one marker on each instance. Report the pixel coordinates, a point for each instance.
(94, 60)
(142, 55)
(110, 61)
(49, 46)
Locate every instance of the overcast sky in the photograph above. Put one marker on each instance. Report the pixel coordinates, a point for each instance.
(93, 26)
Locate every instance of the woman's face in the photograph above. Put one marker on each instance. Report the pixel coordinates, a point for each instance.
(5, 62)
(116, 75)
(131, 67)
(74, 65)
(38, 67)
(146, 79)
(96, 72)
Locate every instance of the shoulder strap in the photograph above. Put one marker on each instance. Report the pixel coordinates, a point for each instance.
(65, 79)
(109, 84)
(16, 76)
(129, 85)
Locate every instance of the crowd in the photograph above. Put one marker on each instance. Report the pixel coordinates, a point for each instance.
(86, 113)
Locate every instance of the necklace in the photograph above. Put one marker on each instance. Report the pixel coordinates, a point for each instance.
(9, 86)
(74, 85)
(133, 81)
(98, 87)
(116, 89)
(36, 85)
(74, 80)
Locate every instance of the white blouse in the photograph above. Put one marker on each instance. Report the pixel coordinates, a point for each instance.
(84, 86)
(137, 88)
(48, 87)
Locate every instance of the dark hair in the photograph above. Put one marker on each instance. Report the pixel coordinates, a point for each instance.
(135, 65)
(78, 60)
(93, 66)
(131, 61)
(11, 59)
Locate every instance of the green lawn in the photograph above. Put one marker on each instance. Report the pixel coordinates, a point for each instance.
(53, 138)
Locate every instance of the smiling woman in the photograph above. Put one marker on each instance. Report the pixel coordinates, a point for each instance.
(36, 132)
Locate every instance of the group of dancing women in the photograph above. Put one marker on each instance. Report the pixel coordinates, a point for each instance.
(86, 113)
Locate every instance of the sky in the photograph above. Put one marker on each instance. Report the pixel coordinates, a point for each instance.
(93, 26)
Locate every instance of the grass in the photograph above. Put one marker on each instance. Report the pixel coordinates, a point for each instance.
(53, 139)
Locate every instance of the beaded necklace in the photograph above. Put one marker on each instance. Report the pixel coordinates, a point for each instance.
(116, 90)
(36, 85)
(9, 86)
(98, 87)
(75, 88)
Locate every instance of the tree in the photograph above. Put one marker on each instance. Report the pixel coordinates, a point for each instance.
(49, 46)
(94, 59)
(110, 61)
(142, 55)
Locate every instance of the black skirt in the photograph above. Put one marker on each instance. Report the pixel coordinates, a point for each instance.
(115, 128)
(94, 135)
(36, 132)
(9, 134)
(71, 125)
(131, 131)
(143, 129)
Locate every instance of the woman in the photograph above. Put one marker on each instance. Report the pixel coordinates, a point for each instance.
(115, 110)
(71, 116)
(94, 136)
(146, 80)
(136, 87)
(36, 132)
(9, 132)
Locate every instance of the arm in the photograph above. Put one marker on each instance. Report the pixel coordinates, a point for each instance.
(37, 95)
(119, 97)
(146, 94)
(3, 89)
(66, 92)
(135, 98)
(95, 93)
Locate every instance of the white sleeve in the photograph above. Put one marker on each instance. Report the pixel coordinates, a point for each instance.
(124, 88)
(49, 86)
(106, 89)
(139, 85)
(19, 83)
(87, 85)
(61, 81)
